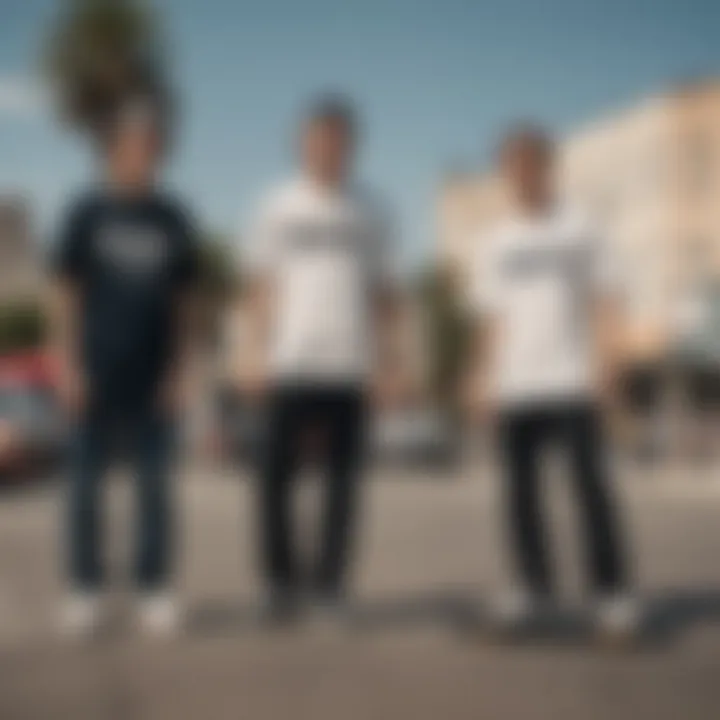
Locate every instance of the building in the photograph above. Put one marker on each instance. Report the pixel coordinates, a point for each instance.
(19, 262)
(651, 175)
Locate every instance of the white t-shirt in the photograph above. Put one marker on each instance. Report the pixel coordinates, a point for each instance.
(325, 253)
(538, 278)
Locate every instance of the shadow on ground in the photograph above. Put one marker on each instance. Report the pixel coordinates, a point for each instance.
(668, 616)
(672, 613)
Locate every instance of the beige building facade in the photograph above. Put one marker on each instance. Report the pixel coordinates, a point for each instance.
(651, 176)
(19, 262)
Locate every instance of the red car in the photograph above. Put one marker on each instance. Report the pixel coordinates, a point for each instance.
(32, 432)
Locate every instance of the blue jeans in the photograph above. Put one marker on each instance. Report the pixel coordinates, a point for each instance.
(147, 434)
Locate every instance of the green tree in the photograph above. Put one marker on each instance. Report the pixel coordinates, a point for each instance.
(219, 277)
(23, 326)
(219, 282)
(448, 332)
(98, 52)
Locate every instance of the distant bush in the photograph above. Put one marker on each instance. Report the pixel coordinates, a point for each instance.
(218, 269)
(23, 325)
(449, 332)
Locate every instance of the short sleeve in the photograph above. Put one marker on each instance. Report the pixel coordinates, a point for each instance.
(485, 286)
(262, 250)
(69, 255)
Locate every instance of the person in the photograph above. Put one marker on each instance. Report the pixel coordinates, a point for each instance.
(124, 270)
(545, 290)
(320, 305)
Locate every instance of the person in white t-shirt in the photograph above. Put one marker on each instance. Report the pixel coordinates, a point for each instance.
(544, 289)
(319, 260)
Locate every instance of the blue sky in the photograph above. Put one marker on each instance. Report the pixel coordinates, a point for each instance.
(435, 79)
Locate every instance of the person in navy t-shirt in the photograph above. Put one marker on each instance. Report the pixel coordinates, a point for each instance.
(125, 264)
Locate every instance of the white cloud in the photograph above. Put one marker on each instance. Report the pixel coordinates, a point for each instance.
(19, 97)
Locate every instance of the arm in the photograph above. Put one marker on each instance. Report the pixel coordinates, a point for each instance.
(475, 388)
(178, 382)
(255, 308)
(63, 311)
(65, 298)
(390, 383)
(607, 325)
(484, 300)
(257, 311)
(175, 387)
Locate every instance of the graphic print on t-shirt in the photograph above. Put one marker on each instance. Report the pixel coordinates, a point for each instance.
(568, 261)
(324, 252)
(538, 278)
(133, 249)
(305, 236)
(129, 257)
(568, 265)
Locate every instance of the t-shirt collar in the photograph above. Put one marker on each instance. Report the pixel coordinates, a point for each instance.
(319, 189)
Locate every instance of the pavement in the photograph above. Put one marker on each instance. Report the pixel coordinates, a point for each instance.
(429, 554)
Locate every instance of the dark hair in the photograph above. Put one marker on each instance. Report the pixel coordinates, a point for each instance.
(333, 108)
(526, 135)
(151, 106)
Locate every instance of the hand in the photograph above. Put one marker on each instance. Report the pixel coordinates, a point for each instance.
(608, 390)
(253, 384)
(476, 400)
(174, 394)
(388, 393)
(72, 390)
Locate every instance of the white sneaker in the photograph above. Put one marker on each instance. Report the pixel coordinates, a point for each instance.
(82, 614)
(329, 612)
(618, 618)
(159, 614)
(514, 610)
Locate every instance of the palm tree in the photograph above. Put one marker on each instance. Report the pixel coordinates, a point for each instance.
(97, 53)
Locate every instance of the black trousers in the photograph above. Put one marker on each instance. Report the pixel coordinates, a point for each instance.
(524, 435)
(336, 416)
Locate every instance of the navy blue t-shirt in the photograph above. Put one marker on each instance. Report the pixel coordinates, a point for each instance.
(131, 259)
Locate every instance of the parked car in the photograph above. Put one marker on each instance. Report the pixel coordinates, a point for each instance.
(33, 434)
(411, 437)
(416, 437)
